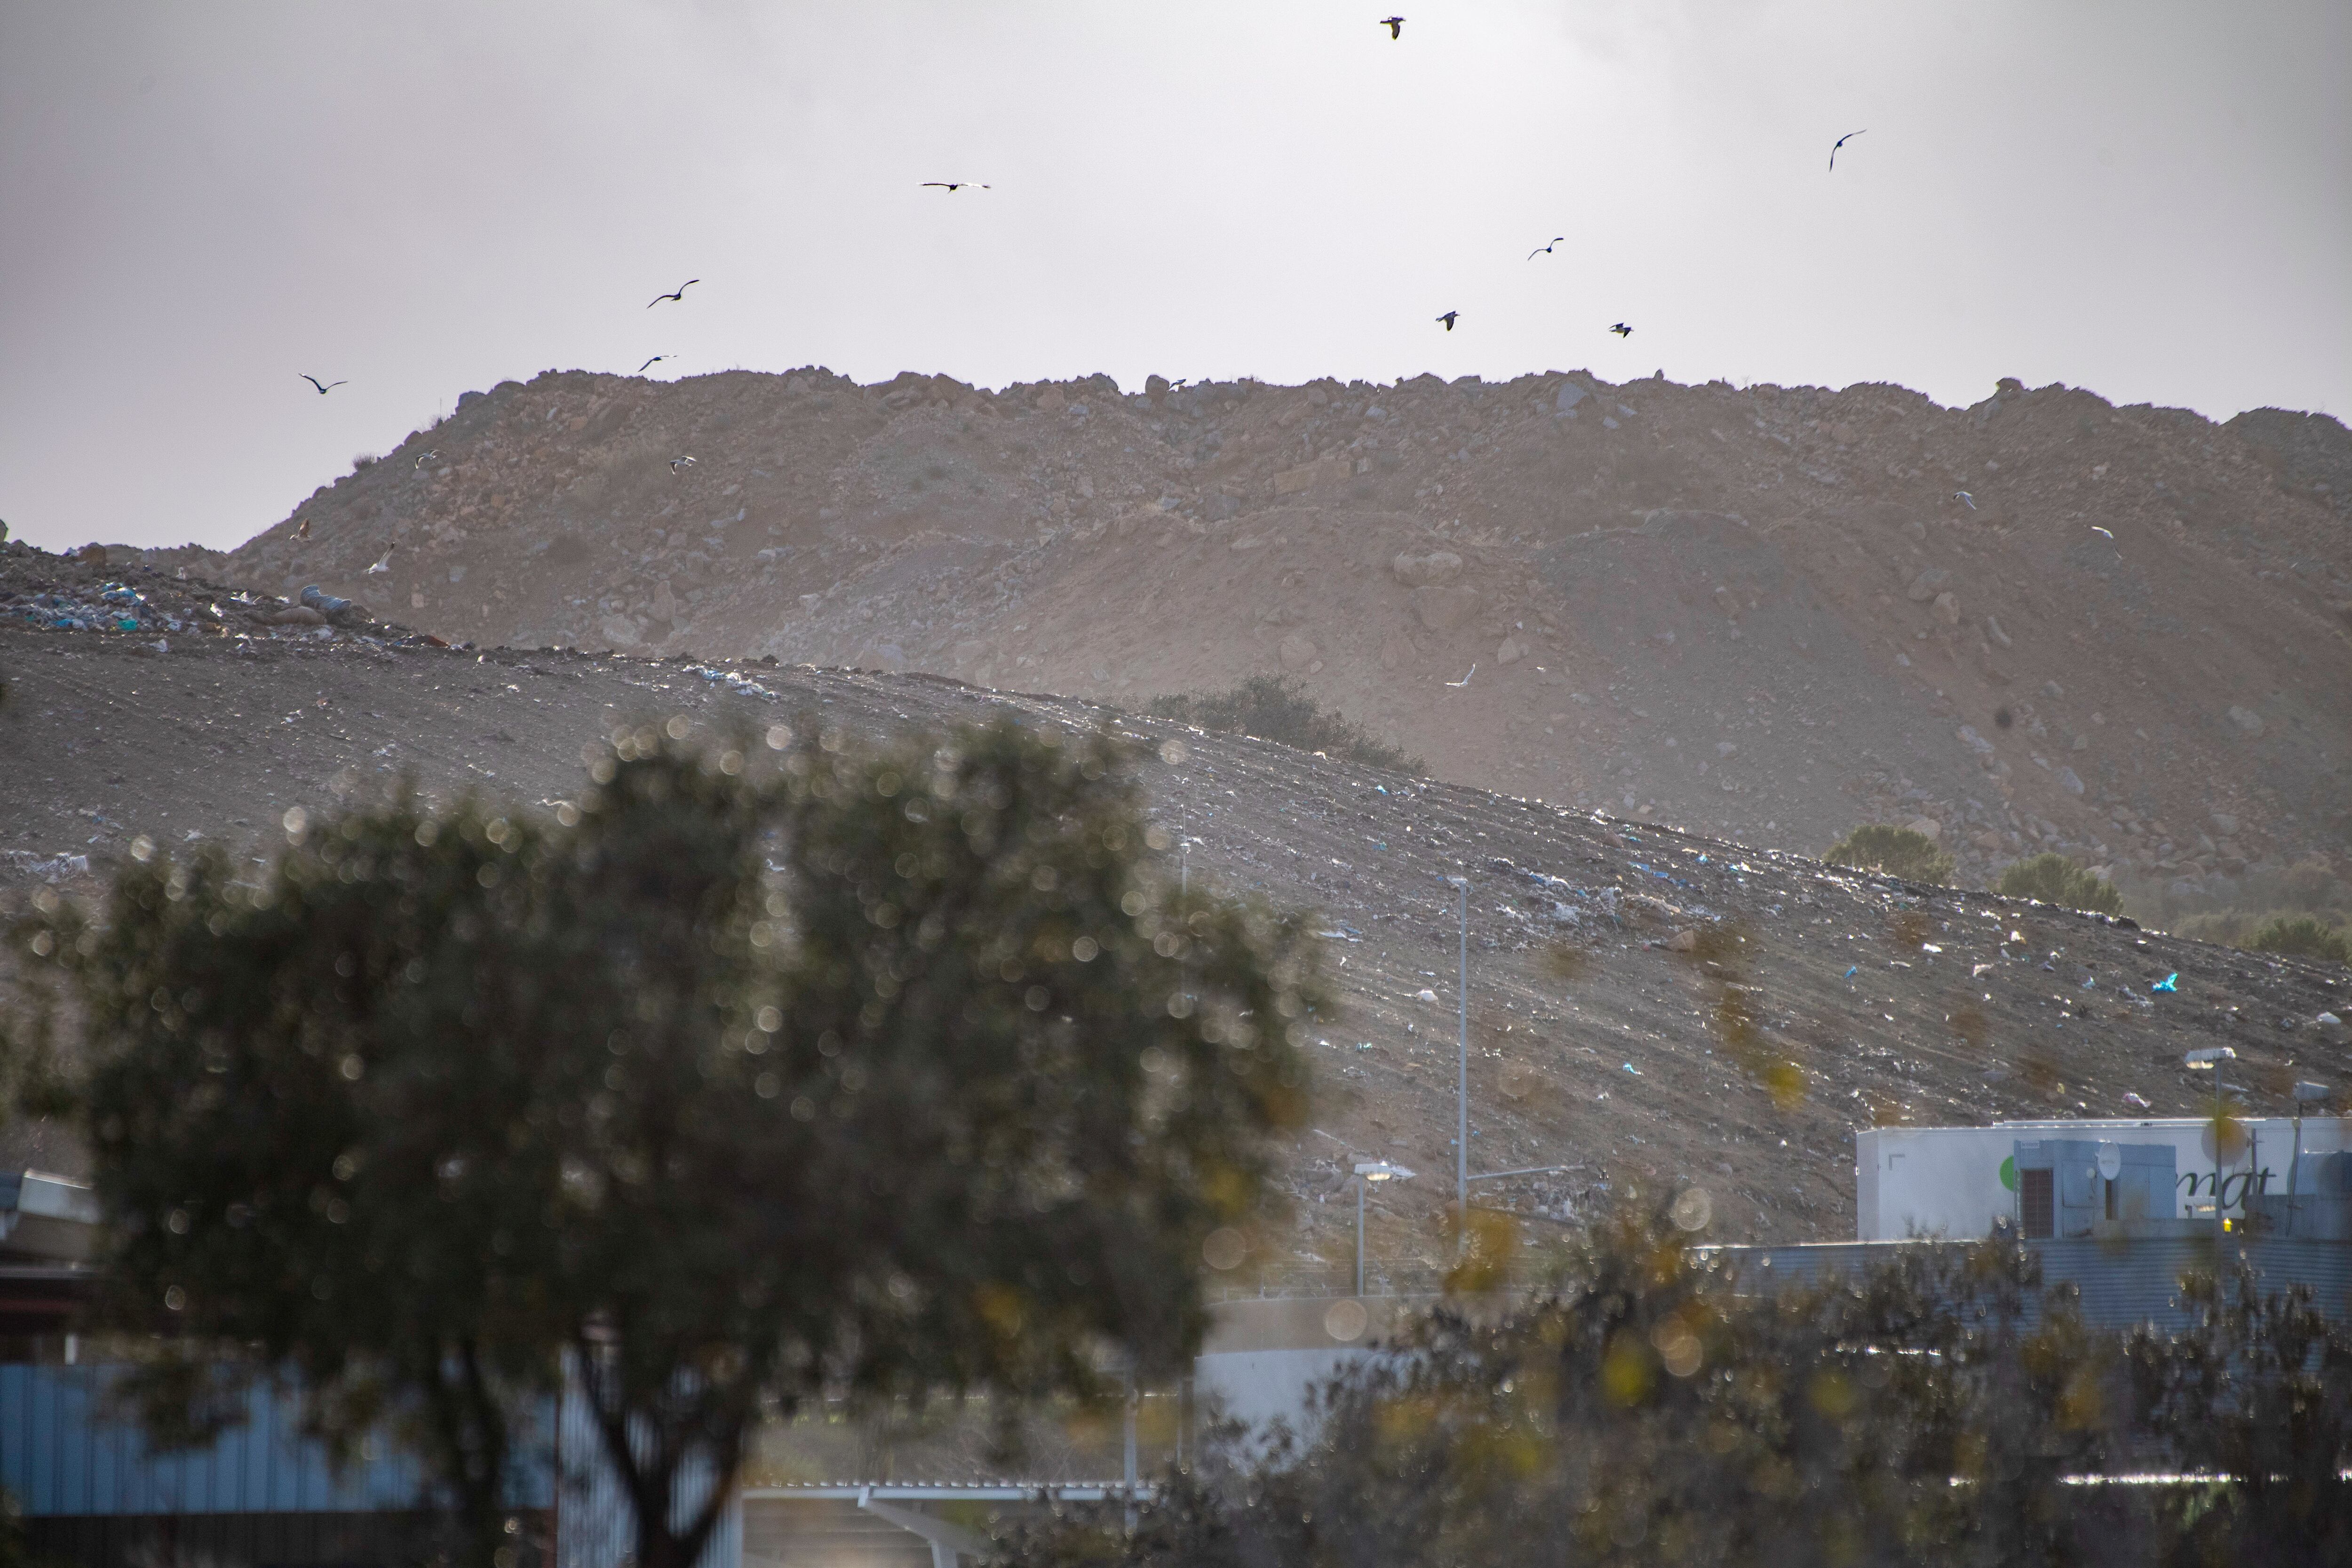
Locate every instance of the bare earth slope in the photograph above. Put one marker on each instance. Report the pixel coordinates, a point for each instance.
(1767, 614)
(1730, 1017)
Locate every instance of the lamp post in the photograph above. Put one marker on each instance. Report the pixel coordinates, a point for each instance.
(2305, 1093)
(1371, 1171)
(1462, 1080)
(2209, 1059)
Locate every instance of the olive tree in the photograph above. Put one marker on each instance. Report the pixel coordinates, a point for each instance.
(287, 1080)
(899, 1068)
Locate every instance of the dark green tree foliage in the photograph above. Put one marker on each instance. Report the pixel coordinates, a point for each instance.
(2054, 880)
(1646, 1410)
(290, 1083)
(895, 1068)
(2303, 936)
(2259, 1394)
(1008, 1086)
(1277, 708)
(1897, 851)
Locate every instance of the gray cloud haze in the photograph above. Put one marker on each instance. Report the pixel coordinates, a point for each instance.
(198, 204)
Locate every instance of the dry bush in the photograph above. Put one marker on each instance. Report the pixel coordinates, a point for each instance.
(1896, 851)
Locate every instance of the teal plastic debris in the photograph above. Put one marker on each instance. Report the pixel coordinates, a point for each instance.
(1852, 971)
(2169, 983)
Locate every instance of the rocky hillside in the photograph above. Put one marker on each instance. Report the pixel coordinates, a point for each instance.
(1646, 1006)
(1766, 614)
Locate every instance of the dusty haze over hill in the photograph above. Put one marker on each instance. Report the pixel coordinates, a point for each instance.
(1766, 613)
(206, 202)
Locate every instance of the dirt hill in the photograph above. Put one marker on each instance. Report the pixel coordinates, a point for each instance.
(1767, 614)
(1646, 1005)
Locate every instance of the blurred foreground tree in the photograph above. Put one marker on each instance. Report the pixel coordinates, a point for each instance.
(1652, 1408)
(2258, 1395)
(287, 1080)
(899, 1068)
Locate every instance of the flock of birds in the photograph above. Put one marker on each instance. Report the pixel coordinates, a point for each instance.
(1395, 25)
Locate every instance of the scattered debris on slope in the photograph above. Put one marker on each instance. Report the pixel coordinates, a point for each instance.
(2037, 623)
(1647, 1006)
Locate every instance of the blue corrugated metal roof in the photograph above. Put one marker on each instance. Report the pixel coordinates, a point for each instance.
(66, 1448)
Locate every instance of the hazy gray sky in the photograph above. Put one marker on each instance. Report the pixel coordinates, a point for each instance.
(198, 202)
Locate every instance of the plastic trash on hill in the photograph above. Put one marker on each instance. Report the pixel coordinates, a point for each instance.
(2135, 1103)
(2169, 983)
(335, 609)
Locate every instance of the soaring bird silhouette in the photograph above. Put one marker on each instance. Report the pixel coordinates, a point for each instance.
(947, 185)
(326, 389)
(1545, 250)
(422, 460)
(655, 360)
(303, 531)
(1395, 25)
(384, 564)
(679, 464)
(1621, 329)
(1448, 319)
(1840, 142)
(677, 294)
(1964, 497)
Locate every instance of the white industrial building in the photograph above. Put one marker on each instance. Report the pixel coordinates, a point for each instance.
(2077, 1178)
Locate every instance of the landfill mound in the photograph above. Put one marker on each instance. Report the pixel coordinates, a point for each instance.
(1767, 614)
(1649, 1009)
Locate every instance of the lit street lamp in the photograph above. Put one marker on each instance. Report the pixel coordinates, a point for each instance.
(1371, 1171)
(2209, 1059)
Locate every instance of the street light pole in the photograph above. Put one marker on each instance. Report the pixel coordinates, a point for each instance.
(2209, 1059)
(1462, 1081)
(1367, 1172)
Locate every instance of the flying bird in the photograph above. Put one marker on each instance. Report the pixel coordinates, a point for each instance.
(303, 531)
(679, 464)
(950, 185)
(1395, 25)
(655, 360)
(1963, 496)
(1545, 250)
(1840, 142)
(1448, 319)
(678, 294)
(1465, 681)
(422, 460)
(1621, 329)
(385, 564)
(326, 389)
(2097, 529)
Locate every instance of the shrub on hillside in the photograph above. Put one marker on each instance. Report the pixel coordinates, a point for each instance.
(2054, 880)
(1897, 851)
(2303, 936)
(1276, 708)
